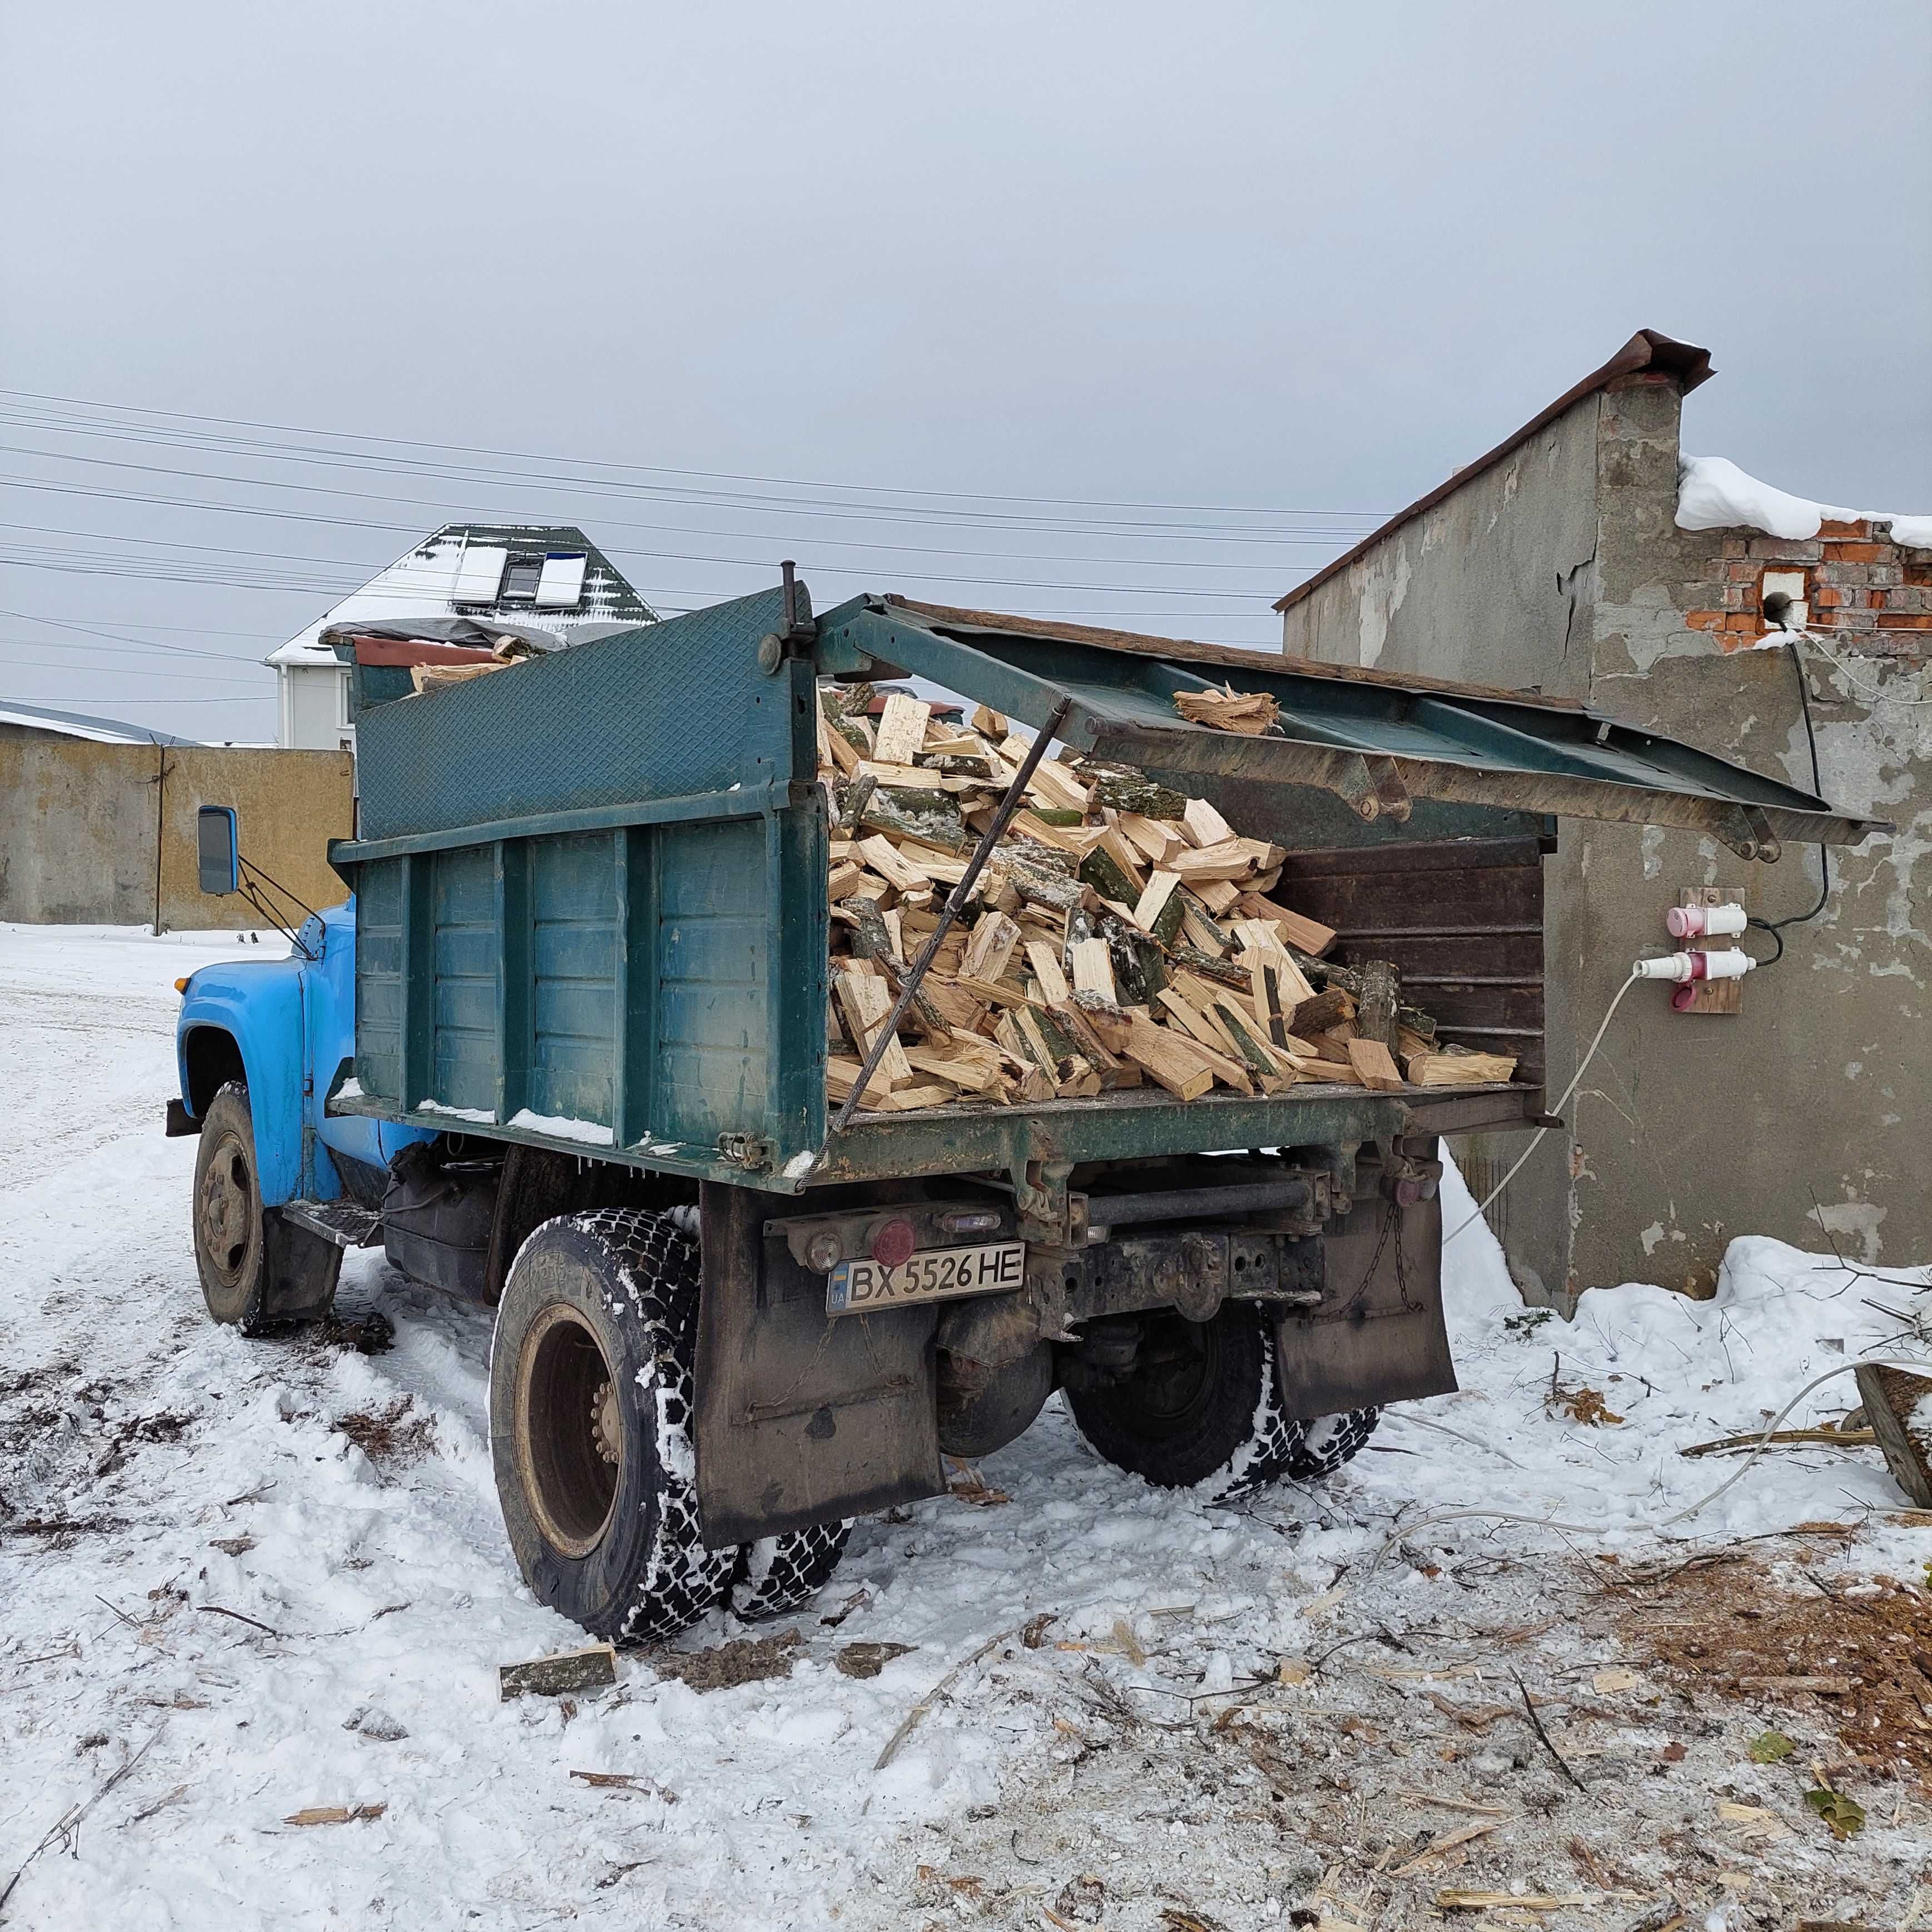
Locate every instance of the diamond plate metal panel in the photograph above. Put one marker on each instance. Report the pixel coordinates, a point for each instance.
(676, 709)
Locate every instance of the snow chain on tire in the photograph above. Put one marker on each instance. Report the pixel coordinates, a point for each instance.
(1302, 1452)
(777, 1574)
(646, 1274)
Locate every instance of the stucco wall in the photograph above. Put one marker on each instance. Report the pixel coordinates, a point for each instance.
(1816, 1099)
(1481, 585)
(80, 824)
(1689, 1129)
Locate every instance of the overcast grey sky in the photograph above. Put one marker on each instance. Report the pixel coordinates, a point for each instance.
(1263, 261)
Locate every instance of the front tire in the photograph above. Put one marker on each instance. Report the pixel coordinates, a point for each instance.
(231, 1245)
(1201, 1409)
(590, 1425)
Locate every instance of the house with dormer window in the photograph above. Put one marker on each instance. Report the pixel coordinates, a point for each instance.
(537, 577)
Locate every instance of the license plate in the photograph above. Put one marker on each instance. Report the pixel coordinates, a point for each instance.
(938, 1274)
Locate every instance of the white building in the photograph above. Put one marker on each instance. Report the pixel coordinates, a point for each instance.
(549, 575)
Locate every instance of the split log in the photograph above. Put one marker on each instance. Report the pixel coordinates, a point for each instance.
(1380, 994)
(1373, 1065)
(1460, 1068)
(593, 1668)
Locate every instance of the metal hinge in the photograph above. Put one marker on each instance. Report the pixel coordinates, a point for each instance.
(752, 1152)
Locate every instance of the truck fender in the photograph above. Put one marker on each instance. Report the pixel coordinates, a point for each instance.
(252, 1034)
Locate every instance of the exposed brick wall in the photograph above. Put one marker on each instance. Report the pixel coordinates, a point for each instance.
(1856, 581)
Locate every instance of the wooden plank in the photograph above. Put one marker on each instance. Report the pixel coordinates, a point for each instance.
(990, 724)
(1892, 1397)
(902, 734)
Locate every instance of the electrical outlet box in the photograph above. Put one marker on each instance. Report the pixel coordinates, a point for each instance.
(1712, 996)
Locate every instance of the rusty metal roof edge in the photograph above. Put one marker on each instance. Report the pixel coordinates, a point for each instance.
(1229, 657)
(1648, 349)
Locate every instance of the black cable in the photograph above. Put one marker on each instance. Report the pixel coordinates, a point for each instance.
(1775, 927)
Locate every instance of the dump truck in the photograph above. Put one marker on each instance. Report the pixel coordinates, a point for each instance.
(563, 1052)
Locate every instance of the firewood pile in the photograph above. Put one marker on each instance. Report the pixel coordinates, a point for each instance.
(1120, 932)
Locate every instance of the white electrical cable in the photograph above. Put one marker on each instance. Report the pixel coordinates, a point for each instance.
(1877, 694)
(1669, 1522)
(1483, 1207)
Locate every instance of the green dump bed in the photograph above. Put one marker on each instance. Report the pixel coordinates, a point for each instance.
(591, 908)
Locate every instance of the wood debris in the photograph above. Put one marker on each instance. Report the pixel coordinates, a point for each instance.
(593, 1668)
(335, 1814)
(1249, 712)
(1121, 934)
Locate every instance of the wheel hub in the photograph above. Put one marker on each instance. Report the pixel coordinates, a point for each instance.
(606, 1425)
(225, 1199)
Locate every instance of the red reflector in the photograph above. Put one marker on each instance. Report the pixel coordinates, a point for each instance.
(893, 1243)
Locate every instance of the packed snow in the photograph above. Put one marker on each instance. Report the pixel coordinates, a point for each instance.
(244, 1580)
(1713, 493)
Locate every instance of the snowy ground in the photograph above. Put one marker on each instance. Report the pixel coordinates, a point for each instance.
(1274, 1713)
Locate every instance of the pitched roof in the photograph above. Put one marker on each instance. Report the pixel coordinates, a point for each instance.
(462, 570)
(1647, 349)
(78, 724)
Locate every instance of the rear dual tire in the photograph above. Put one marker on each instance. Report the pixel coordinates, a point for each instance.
(1202, 1410)
(592, 1437)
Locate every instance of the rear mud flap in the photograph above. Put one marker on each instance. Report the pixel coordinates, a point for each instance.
(801, 1418)
(1379, 1335)
(302, 1269)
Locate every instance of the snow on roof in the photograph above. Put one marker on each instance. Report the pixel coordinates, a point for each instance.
(76, 725)
(1713, 493)
(462, 570)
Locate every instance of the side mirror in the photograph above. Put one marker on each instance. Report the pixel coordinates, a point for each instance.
(216, 849)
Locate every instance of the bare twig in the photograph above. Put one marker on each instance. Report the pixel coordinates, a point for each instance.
(1828, 1438)
(65, 1825)
(914, 1717)
(118, 1611)
(215, 1609)
(1543, 1736)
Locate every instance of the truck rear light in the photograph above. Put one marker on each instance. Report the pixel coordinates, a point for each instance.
(893, 1243)
(824, 1251)
(969, 1221)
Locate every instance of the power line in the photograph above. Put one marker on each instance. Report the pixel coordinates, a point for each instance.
(48, 703)
(445, 513)
(121, 638)
(442, 506)
(657, 469)
(55, 559)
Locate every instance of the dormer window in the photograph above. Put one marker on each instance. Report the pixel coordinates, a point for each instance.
(521, 576)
